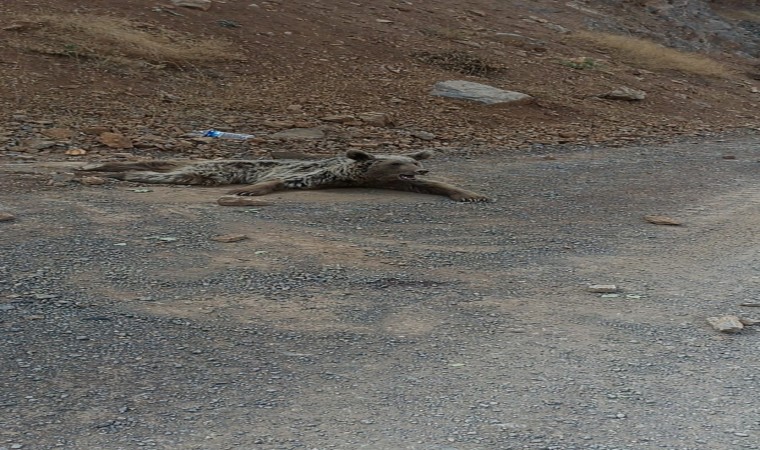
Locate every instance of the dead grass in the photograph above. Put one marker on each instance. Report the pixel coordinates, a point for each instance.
(110, 39)
(651, 55)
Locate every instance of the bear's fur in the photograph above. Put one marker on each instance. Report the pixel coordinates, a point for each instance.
(355, 169)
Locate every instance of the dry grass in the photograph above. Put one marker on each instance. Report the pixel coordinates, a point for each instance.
(654, 56)
(111, 39)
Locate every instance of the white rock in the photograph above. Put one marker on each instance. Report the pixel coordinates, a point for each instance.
(726, 324)
(625, 93)
(467, 90)
(603, 288)
(194, 4)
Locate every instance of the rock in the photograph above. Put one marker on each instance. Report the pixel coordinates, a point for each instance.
(230, 238)
(300, 133)
(203, 5)
(338, 118)
(556, 27)
(662, 220)
(625, 93)
(6, 217)
(749, 322)
(726, 324)
(114, 140)
(235, 200)
(37, 144)
(58, 133)
(603, 288)
(423, 135)
(376, 119)
(76, 152)
(467, 90)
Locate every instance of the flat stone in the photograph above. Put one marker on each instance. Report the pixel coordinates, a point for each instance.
(338, 118)
(230, 238)
(375, 119)
(726, 324)
(37, 144)
(662, 220)
(58, 133)
(203, 5)
(625, 93)
(467, 90)
(603, 288)
(423, 135)
(6, 217)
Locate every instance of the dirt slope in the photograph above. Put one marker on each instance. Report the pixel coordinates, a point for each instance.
(277, 65)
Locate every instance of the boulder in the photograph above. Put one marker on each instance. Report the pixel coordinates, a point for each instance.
(467, 90)
(625, 93)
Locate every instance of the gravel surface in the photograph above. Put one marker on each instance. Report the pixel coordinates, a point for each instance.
(385, 320)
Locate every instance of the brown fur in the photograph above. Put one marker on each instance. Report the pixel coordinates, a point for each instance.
(356, 169)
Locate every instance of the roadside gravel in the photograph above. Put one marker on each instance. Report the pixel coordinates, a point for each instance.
(363, 319)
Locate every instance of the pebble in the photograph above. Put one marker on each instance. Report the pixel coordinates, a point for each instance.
(603, 288)
(115, 140)
(662, 220)
(6, 217)
(230, 238)
(726, 324)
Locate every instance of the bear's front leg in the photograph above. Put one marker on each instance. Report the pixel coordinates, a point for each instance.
(440, 188)
(263, 188)
(460, 195)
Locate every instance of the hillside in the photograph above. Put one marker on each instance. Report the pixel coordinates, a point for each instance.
(152, 70)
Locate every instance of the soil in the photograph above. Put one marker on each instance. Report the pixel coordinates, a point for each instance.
(293, 65)
(377, 319)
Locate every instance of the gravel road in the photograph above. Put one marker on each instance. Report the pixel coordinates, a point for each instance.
(360, 319)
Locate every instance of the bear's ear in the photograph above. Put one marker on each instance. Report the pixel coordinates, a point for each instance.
(425, 154)
(359, 155)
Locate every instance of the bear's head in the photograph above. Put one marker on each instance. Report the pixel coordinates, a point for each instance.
(390, 168)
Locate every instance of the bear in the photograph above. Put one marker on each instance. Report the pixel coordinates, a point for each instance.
(355, 169)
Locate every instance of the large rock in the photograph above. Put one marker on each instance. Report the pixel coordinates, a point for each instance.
(726, 324)
(625, 93)
(467, 90)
